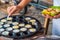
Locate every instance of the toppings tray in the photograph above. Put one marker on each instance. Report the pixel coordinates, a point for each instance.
(19, 26)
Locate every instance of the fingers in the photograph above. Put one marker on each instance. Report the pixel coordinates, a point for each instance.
(57, 16)
(15, 13)
(13, 10)
(43, 15)
(9, 9)
(47, 16)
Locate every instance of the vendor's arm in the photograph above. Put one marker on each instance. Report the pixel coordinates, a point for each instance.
(20, 6)
(23, 3)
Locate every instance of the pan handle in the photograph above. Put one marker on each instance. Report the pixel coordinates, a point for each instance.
(46, 25)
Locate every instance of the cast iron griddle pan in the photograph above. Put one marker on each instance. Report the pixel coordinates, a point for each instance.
(33, 26)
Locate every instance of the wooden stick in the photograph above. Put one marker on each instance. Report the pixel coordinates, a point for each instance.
(46, 25)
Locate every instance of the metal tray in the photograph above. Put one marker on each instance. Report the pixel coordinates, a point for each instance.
(23, 35)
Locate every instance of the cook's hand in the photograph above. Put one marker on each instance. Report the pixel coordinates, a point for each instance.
(13, 9)
(47, 16)
(55, 17)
